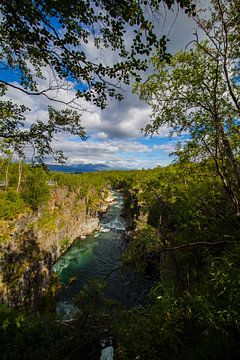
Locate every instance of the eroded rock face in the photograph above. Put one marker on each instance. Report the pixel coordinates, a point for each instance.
(25, 272)
(66, 218)
(37, 240)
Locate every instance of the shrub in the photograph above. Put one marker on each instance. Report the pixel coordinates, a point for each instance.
(36, 190)
(11, 205)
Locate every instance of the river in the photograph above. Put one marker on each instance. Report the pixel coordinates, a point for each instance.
(98, 256)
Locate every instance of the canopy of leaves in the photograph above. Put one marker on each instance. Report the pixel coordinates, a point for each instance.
(39, 33)
(196, 92)
(35, 35)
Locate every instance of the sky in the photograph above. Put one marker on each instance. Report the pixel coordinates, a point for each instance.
(114, 134)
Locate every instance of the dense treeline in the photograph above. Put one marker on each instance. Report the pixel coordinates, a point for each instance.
(24, 187)
(185, 235)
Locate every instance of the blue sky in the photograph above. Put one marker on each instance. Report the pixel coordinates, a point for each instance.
(114, 135)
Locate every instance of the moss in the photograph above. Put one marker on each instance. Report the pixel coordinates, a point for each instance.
(64, 244)
(47, 221)
(6, 229)
(78, 207)
(4, 238)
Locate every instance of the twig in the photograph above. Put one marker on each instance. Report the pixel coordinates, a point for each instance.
(199, 243)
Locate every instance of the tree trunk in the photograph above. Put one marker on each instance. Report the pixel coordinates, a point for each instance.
(20, 167)
(7, 176)
(233, 161)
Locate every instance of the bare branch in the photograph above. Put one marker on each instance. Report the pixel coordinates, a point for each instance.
(200, 243)
(70, 103)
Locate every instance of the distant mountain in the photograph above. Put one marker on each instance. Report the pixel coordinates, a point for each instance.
(79, 168)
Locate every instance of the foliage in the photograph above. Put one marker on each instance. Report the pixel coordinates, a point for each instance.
(32, 34)
(35, 190)
(196, 325)
(30, 336)
(27, 337)
(186, 235)
(197, 92)
(51, 37)
(11, 204)
(141, 249)
(64, 244)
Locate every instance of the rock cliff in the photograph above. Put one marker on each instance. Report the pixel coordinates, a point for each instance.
(37, 239)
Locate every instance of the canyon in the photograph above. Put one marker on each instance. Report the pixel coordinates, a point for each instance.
(36, 239)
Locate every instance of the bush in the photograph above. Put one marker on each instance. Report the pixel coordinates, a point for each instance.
(11, 205)
(36, 190)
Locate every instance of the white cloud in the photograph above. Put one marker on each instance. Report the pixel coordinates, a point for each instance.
(135, 119)
(102, 135)
(168, 148)
(113, 132)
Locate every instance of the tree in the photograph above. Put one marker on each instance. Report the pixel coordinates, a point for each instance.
(39, 134)
(222, 30)
(7, 155)
(197, 92)
(36, 191)
(38, 34)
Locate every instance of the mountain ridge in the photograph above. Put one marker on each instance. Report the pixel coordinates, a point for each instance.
(79, 168)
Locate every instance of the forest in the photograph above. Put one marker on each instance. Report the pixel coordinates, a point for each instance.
(182, 220)
(185, 235)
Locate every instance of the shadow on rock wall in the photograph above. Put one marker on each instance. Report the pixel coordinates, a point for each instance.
(26, 273)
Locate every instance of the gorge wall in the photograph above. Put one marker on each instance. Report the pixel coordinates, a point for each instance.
(36, 239)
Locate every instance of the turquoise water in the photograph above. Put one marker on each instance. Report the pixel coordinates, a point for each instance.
(99, 257)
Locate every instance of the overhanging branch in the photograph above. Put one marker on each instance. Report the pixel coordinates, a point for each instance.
(72, 104)
(200, 243)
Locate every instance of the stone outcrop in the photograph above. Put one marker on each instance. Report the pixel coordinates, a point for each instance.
(37, 239)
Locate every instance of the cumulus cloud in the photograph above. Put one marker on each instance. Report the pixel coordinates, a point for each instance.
(117, 153)
(101, 135)
(168, 148)
(114, 133)
(98, 150)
